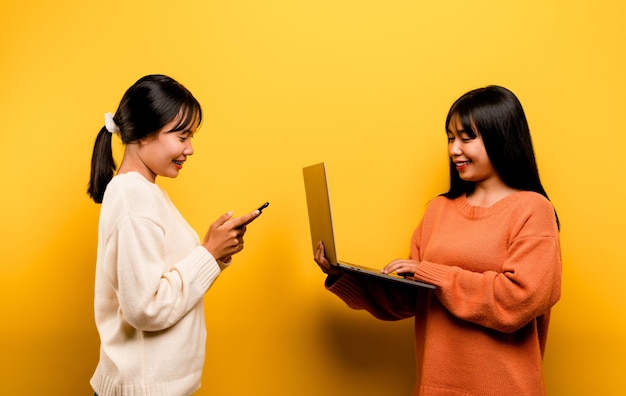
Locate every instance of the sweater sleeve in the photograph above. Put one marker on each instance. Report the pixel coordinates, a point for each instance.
(527, 286)
(152, 299)
(383, 299)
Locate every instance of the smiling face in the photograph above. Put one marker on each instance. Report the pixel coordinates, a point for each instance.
(467, 151)
(161, 154)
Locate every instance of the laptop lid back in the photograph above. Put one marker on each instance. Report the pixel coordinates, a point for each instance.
(318, 204)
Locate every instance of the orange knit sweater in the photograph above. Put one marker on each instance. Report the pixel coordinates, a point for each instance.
(498, 272)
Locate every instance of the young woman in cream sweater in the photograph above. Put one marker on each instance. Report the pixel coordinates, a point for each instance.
(152, 270)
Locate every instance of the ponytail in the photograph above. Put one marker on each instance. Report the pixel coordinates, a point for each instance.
(102, 165)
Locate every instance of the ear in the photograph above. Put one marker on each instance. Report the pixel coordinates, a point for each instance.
(148, 139)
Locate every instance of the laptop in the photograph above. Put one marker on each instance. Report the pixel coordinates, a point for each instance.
(321, 223)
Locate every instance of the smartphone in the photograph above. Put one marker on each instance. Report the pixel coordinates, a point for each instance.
(260, 209)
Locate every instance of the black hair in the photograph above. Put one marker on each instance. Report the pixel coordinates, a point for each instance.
(147, 106)
(497, 115)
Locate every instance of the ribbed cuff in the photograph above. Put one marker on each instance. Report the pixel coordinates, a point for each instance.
(345, 287)
(431, 273)
(202, 267)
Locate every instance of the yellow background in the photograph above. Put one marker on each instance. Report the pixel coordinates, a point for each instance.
(363, 85)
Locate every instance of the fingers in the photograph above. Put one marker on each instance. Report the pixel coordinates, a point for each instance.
(391, 267)
(322, 261)
(225, 236)
(223, 219)
(237, 227)
(404, 267)
(320, 256)
(245, 219)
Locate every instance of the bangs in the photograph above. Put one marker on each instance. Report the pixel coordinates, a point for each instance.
(465, 108)
(190, 117)
(469, 126)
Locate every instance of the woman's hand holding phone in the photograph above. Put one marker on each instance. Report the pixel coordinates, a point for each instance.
(225, 236)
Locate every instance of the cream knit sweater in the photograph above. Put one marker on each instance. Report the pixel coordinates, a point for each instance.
(151, 276)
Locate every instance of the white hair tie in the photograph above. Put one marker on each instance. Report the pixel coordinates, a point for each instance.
(109, 123)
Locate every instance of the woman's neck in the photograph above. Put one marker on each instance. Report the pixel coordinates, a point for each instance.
(485, 195)
(131, 162)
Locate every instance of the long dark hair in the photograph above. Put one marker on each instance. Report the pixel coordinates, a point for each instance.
(497, 115)
(147, 106)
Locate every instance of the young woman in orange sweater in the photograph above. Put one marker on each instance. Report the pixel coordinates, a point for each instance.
(491, 246)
